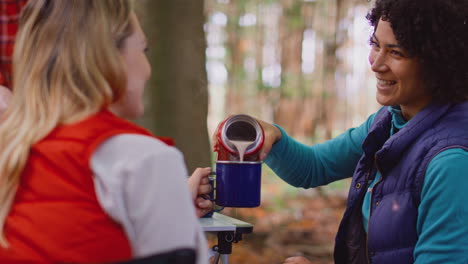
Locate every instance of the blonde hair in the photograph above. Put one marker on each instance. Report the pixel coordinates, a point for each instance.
(66, 66)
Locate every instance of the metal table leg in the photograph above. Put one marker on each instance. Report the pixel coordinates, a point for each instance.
(224, 258)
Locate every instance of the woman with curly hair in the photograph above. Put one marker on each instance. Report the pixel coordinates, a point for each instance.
(409, 161)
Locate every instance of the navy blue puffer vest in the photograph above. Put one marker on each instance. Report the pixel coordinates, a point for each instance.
(402, 160)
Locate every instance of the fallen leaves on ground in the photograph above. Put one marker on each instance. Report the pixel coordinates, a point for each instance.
(303, 226)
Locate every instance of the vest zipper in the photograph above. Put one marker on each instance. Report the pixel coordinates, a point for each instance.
(370, 207)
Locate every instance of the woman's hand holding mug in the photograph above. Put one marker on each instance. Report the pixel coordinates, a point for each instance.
(199, 186)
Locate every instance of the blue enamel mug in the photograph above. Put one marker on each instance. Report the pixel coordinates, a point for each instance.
(238, 183)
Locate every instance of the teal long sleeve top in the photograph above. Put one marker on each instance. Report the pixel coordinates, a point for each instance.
(442, 224)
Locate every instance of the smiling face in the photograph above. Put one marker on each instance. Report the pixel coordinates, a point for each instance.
(398, 74)
(138, 70)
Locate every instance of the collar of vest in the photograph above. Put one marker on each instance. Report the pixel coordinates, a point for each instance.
(385, 150)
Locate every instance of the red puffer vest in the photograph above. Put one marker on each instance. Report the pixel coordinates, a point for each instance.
(56, 217)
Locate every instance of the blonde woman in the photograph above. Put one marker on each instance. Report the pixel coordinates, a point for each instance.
(78, 183)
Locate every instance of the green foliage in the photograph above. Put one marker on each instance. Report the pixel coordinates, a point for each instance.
(325, 94)
(259, 83)
(337, 186)
(269, 2)
(294, 16)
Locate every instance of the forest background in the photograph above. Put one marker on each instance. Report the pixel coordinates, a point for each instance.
(301, 64)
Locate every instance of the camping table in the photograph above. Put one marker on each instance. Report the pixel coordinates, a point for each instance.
(229, 230)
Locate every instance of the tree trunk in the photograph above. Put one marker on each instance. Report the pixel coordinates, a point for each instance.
(235, 92)
(332, 44)
(177, 92)
(290, 107)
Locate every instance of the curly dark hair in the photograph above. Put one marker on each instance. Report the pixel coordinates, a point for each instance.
(436, 33)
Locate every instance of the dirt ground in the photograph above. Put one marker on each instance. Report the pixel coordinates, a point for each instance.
(303, 226)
